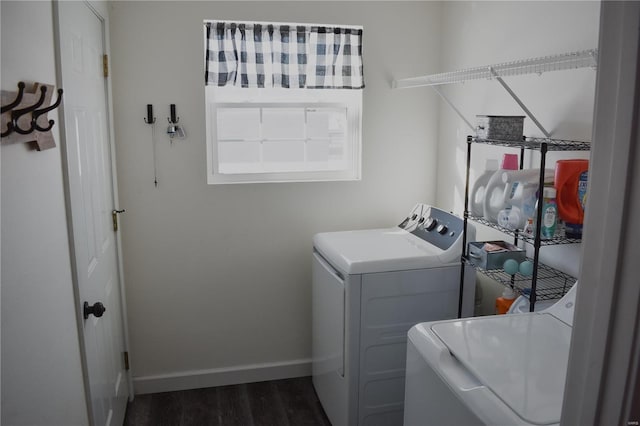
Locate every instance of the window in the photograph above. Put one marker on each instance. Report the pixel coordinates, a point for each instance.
(279, 111)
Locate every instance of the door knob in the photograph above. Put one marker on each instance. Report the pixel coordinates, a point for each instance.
(97, 310)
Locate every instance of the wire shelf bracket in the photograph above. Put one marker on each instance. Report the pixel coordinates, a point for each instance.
(564, 61)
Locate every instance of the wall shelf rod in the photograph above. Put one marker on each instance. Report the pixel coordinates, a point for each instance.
(565, 61)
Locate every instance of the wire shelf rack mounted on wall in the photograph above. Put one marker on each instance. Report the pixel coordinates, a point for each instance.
(564, 61)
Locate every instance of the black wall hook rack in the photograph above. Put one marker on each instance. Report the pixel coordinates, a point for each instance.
(23, 121)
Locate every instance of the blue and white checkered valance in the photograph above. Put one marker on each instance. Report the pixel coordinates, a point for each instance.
(287, 56)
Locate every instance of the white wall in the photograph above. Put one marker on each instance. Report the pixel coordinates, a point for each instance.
(41, 370)
(483, 33)
(219, 276)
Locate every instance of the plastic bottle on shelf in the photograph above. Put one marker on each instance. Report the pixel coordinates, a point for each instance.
(523, 194)
(529, 228)
(510, 218)
(494, 195)
(479, 187)
(549, 214)
(515, 188)
(571, 179)
(504, 302)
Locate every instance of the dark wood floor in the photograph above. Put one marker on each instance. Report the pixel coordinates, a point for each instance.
(290, 402)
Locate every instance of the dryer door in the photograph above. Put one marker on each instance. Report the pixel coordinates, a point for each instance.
(328, 339)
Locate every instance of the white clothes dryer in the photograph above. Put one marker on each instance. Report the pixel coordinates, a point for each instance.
(495, 370)
(369, 288)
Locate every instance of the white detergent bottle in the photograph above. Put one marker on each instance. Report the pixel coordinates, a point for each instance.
(479, 187)
(493, 193)
(513, 188)
(522, 196)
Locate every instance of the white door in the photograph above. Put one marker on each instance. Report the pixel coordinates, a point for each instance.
(89, 167)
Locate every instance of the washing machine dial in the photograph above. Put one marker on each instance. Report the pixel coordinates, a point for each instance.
(442, 229)
(430, 224)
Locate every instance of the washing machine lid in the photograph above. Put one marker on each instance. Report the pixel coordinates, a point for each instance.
(522, 359)
(376, 250)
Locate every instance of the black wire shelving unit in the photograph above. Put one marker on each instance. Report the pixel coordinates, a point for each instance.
(545, 283)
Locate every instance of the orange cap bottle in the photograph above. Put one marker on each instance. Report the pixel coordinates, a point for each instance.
(570, 182)
(504, 302)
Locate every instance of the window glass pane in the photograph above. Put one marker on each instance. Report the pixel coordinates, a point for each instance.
(238, 152)
(283, 123)
(325, 123)
(318, 150)
(283, 151)
(337, 149)
(238, 123)
(338, 155)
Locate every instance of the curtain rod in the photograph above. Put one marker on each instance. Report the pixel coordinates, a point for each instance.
(293, 24)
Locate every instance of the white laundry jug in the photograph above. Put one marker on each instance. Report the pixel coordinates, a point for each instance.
(480, 188)
(513, 188)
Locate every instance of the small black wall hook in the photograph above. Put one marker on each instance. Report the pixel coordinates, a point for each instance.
(174, 129)
(173, 119)
(17, 101)
(150, 118)
(17, 113)
(37, 113)
(8, 131)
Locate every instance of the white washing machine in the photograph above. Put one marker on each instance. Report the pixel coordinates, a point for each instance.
(369, 288)
(496, 370)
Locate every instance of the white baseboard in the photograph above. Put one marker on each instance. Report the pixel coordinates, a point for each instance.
(195, 379)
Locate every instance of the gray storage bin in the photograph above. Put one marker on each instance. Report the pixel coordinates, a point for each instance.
(502, 127)
(494, 260)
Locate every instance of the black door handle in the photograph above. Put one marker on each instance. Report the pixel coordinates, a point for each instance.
(96, 310)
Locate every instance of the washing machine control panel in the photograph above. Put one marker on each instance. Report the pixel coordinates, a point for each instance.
(430, 224)
(440, 228)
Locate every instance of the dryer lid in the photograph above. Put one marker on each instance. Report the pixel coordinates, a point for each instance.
(522, 359)
(376, 250)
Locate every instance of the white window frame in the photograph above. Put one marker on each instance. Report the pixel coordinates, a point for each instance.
(225, 97)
